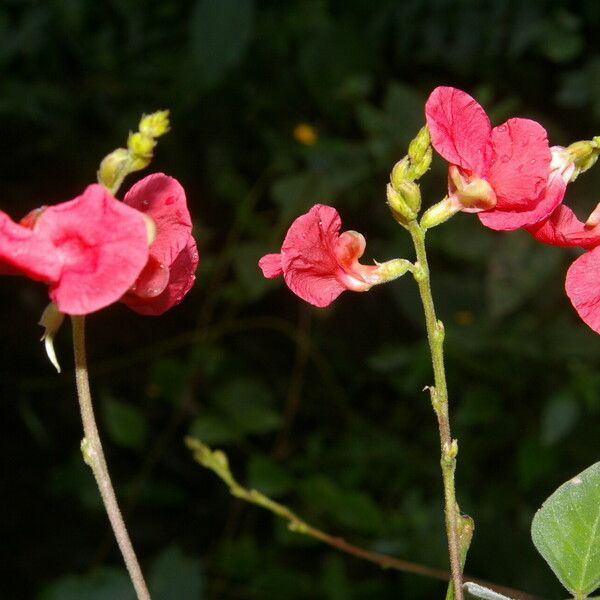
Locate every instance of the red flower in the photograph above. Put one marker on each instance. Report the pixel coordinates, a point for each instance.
(89, 250)
(169, 273)
(500, 173)
(318, 263)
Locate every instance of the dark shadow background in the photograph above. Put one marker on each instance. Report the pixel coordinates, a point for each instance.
(321, 409)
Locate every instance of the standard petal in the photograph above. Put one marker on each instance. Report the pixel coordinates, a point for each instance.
(508, 220)
(27, 252)
(563, 228)
(308, 257)
(103, 247)
(459, 128)
(520, 164)
(181, 280)
(162, 198)
(583, 287)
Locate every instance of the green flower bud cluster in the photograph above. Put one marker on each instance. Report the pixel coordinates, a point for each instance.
(403, 194)
(138, 154)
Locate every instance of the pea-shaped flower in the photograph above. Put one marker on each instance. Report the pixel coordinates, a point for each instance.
(89, 250)
(169, 272)
(505, 173)
(318, 263)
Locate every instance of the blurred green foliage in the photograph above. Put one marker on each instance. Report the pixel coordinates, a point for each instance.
(322, 408)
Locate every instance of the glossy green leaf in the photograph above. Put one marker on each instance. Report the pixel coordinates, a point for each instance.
(566, 532)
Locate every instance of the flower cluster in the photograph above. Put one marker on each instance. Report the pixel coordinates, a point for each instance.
(508, 174)
(94, 250)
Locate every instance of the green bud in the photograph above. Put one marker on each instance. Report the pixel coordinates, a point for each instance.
(411, 194)
(400, 209)
(421, 167)
(114, 167)
(417, 149)
(400, 172)
(140, 144)
(439, 213)
(584, 154)
(155, 124)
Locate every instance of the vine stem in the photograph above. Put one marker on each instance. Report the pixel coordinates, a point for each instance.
(93, 455)
(439, 401)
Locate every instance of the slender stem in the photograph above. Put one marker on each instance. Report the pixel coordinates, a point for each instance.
(439, 400)
(94, 457)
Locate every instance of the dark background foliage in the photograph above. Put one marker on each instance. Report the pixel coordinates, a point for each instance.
(321, 409)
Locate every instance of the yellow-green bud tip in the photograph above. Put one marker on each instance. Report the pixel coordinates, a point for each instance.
(155, 124)
(417, 149)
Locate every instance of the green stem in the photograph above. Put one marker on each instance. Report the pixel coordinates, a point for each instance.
(439, 401)
(93, 455)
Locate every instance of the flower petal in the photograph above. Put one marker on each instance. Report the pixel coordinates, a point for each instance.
(270, 265)
(583, 287)
(26, 252)
(162, 198)
(508, 220)
(181, 279)
(520, 164)
(563, 228)
(459, 128)
(308, 261)
(103, 247)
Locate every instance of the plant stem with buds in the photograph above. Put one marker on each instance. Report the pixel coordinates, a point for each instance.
(93, 455)
(439, 401)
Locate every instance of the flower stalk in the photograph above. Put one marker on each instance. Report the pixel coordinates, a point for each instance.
(439, 401)
(93, 455)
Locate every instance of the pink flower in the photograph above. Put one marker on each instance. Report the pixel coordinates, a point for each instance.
(501, 173)
(317, 263)
(583, 287)
(89, 250)
(169, 273)
(582, 284)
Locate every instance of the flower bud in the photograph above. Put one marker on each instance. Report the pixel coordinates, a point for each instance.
(420, 168)
(140, 144)
(584, 154)
(400, 172)
(155, 124)
(417, 149)
(440, 212)
(114, 167)
(400, 209)
(411, 194)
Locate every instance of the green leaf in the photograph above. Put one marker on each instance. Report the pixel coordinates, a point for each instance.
(126, 424)
(174, 575)
(475, 590)
(566, 532)
(220, 31)
(104, 584)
